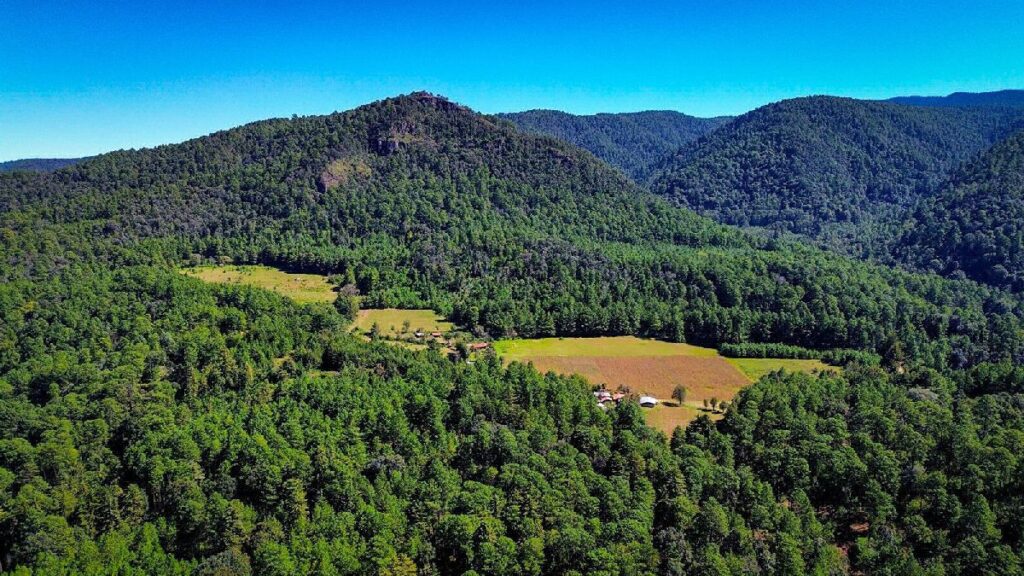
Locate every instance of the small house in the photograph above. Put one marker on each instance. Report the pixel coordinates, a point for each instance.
(479, 345)
(648, 401)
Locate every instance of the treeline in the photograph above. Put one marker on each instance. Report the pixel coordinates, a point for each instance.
(837, 357)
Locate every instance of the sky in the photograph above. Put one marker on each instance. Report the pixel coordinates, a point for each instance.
(79, 78)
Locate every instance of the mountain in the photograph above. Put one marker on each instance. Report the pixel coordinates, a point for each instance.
(837, 170)
(38, 164)
(1004, 98)
(421, 202)
(974, 225)
(633, 142)
(154, 424)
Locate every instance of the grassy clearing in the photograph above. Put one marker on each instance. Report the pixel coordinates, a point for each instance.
(755, 368)
(303, 288)
(666, 417)
(612, 346)
(390, 321)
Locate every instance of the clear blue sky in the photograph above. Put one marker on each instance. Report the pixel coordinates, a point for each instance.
(79, 78)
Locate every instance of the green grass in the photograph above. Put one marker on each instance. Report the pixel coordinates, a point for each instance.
(666, 417)
(616, 346)
(303, 288)
(389, 321)
(755, 368)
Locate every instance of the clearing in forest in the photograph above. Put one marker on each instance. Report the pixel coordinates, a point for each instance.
(303, 288)
(652, 368)
(391, 320)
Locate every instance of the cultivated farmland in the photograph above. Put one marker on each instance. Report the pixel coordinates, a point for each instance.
(650, 367)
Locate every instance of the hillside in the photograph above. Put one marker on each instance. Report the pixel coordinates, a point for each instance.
(837, 170)
(974, 225)
(419, 202)
(38, 164)
(151, 423)
(633, 142)
(1008, 98)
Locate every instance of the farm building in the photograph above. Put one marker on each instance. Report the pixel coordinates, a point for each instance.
(479, 345)
(648, 401)
(606, 396)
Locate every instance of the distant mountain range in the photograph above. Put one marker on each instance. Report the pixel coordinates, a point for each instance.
(847, 174)
(837, 170)
(633, 142)
(842, 172)
(1000, 98)
(38, 164)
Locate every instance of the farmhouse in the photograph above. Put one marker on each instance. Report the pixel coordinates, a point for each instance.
(479, 345)
(606, 396)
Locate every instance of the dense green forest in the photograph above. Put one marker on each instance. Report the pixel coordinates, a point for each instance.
(154, 424)
(417, 201)
(633, 142)
(974, 225)
(837, 170)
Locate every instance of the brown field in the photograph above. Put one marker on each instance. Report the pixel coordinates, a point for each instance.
(653, 368)
(704, 377)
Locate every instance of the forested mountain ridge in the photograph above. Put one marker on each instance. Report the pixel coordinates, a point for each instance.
(837, 170)
(974, 225)
(633, 142)
(154, 424)
(420, 202)
(998, 98)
